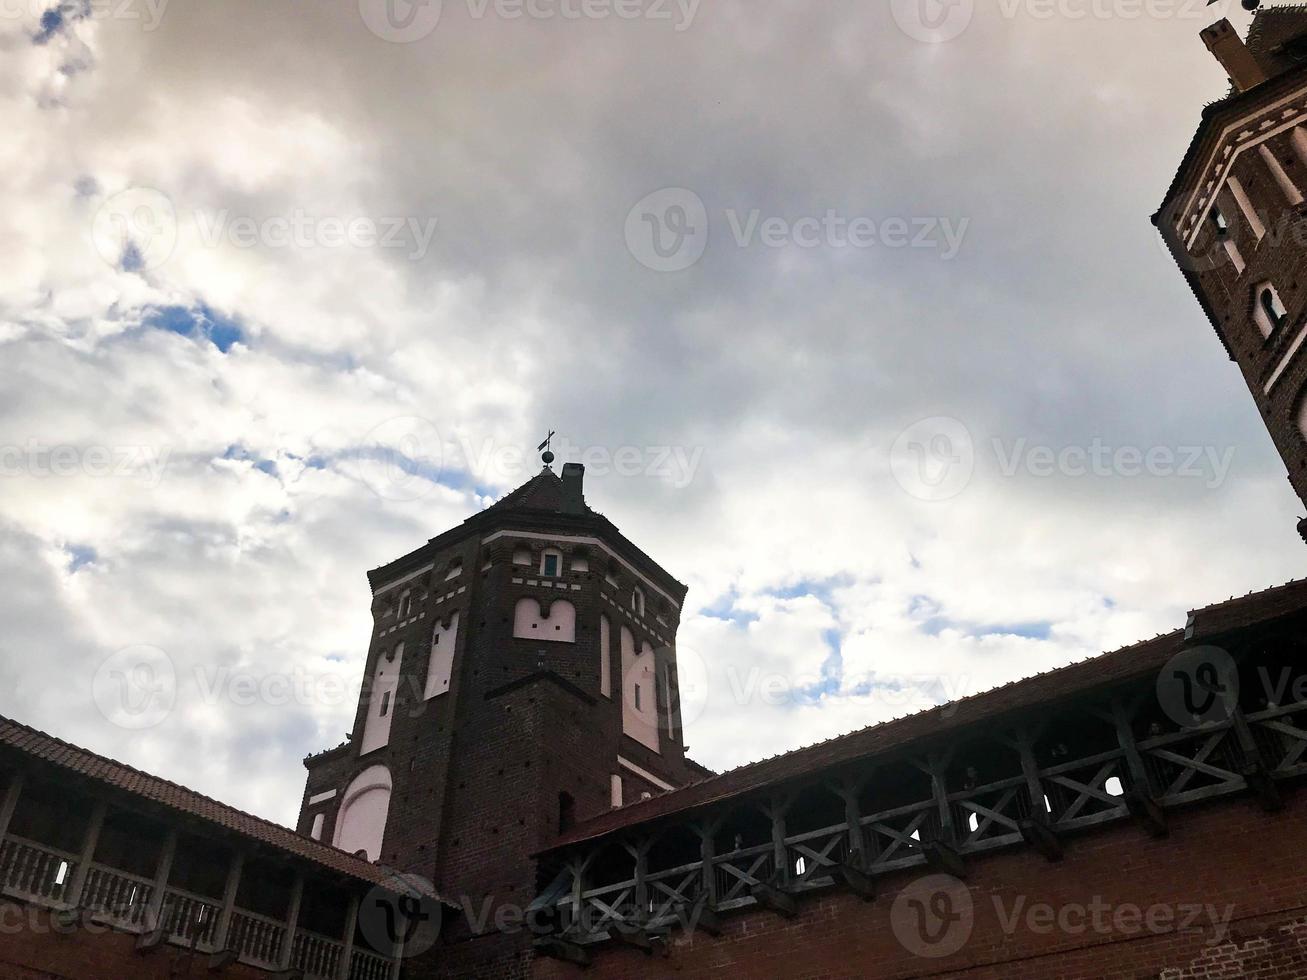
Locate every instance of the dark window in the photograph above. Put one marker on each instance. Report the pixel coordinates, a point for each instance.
(637, 697)
(1218, 221)
(1273, 308)
(551, 565)
(566, 812)
(385, 704)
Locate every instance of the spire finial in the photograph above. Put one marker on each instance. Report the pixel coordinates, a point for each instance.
(545, 452)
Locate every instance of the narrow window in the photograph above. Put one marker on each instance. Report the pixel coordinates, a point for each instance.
(1273, 308)
(637, 601)
(566, 812)
(405, 605)
(318, 820)
(385, 704)
(1218, 221)
(552, 563)
(1269, 312)
(637, 697)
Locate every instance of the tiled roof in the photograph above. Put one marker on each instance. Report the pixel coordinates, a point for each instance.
(1096, 672)
(1272, 30)
(544, 491)
(55, 752)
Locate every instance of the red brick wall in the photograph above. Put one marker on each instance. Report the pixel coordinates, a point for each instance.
(34, 948)
(1226, 854)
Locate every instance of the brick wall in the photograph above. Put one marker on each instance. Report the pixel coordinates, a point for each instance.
(28, 936)
(1226, 854)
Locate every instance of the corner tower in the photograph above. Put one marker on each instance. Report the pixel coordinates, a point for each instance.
(1235, 221)
(520, 675)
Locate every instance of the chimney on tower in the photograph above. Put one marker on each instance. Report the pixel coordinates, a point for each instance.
(1228, 48)
(573, 499)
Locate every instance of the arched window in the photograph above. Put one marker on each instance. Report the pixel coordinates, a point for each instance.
(405, 604)
(1269, 311)
(1218, 222)
(551, 563)
(522, 556)
(361, 821)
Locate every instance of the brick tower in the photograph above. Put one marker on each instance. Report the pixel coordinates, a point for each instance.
(520, 676)
(1234, 220)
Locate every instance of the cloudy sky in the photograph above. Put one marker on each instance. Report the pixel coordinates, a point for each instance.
(855, 315)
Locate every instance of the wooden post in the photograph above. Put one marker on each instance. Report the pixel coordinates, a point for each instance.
(154, 911)
(935, 767)
(707, 830)
(347, 941)
(222, 934)
(777, 810)
(1134, 761)
(87, 854)
(10, 803)
(640, 852)
(848, 790)
(292, 921)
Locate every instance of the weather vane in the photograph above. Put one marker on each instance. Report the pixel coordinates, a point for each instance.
(545, 452)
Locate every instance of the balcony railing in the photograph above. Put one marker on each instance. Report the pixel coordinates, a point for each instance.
(44, 876)
(35, 872)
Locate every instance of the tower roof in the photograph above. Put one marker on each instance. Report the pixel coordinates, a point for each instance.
(1277, 39)
(543, 492)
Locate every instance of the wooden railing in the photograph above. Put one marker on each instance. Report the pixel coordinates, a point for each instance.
(117, 897)
(35, 872)
(317, 955)
(190, 919)
(369, 966)
(1065, 791)
(257, 938)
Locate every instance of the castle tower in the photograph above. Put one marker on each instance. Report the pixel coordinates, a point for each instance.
(1234, 220)
(520, 676)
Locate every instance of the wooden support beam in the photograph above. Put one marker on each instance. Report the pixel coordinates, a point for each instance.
(222, 933)
(943, 858)
(292, 922)
(154, 939)
(707, 831)
(1146, 812)
(87, 854)
(777, 900)
(1252, 767)
(158, 892)
(347, 940)
(10, 803)
(639, 938)
(560, 949)
(1042, 837)
(856, 879)
(703, 917)
(777, 810)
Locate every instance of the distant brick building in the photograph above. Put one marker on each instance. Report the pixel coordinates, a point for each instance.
(1234, 219)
